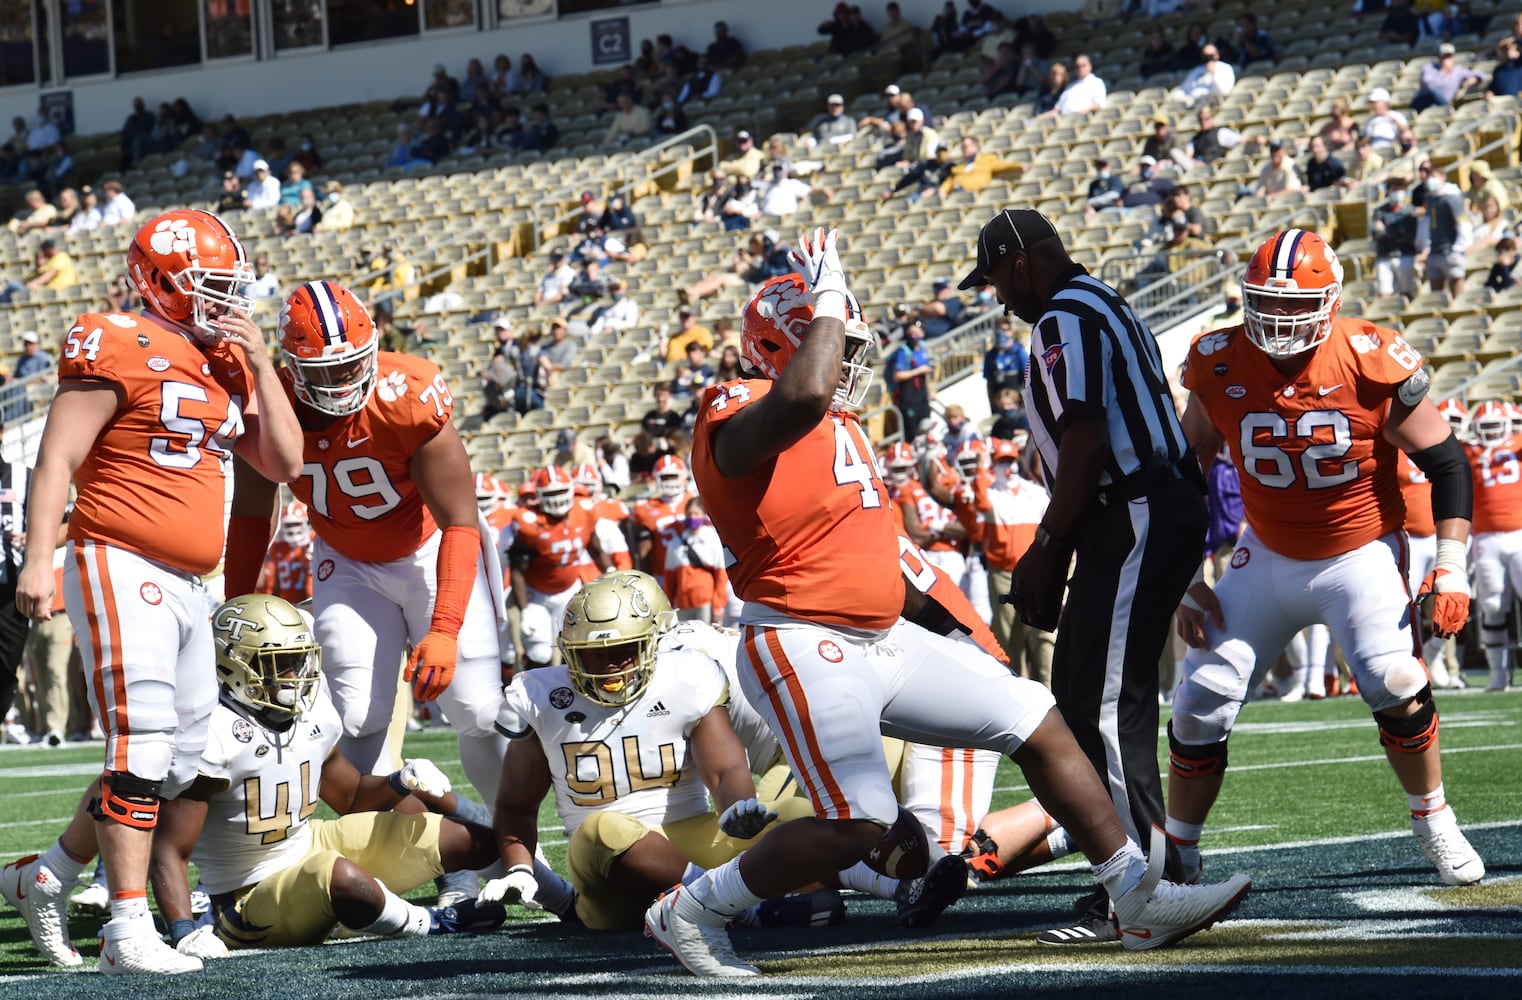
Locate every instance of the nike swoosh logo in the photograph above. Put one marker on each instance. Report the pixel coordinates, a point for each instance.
(234, 372)
(356, 442)
(1140, 934)
(1330, 389)
(109, 959)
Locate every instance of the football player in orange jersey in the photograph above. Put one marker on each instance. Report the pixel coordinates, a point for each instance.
(549, 543)
(1494, 457)
(613, 520)
(398, 558)
(287, 569)
(787, 474)
(1313, 407)
(1011, 508)
(654, 517)
(149, 412)
(932, 526)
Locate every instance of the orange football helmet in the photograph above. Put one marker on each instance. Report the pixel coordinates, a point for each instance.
(1291, 293)
(900, 463)
(967, 458)
(556, 492)
(1491, 424)
(671, 477)
(527, 497)
(295, 529)
(1003, 450)
(327, 339)
(587, 479)
(776, 319)
(190, 268)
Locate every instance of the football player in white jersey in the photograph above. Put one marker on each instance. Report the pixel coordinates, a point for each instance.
(278, 877)
(631, 741)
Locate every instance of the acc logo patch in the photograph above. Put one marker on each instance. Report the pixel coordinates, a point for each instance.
(831, 651)
(1236, 391)
(562, 697)
(392, 387)
(242, 731)
(1051, 354)
(1240, 557)
(324, 569)
(158, 363)
(150, 593)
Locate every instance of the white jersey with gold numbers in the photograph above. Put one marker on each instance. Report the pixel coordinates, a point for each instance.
(632, 758)
(721, 645)
(257, 825)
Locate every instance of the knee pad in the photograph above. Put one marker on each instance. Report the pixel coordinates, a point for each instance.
(127, 799)
(1390, 680)
(1188, 761)
(1202, 715)
(1413, 733)
(1493, 630)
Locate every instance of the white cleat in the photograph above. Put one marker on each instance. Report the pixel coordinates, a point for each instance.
(696, 936)
(42, 899)
(1155, 914)
(133, 947)
(93, 898)
(1444, 844)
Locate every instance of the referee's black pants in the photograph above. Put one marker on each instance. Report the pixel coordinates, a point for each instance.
(1135, 559)
(14, 628)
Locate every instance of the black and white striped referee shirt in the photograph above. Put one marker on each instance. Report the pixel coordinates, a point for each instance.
(1090, 353)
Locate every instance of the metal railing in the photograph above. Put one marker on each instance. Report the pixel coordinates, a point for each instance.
(1166, 287)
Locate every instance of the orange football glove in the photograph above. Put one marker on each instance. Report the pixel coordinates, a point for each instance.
(1444, 600)
(431, 667)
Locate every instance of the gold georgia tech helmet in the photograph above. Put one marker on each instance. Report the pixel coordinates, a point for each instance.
(267, 657)
(617, 609)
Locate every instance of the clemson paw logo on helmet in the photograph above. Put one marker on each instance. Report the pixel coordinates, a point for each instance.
(150, 593)
(173, 236)
(782, 301)
(392, 387)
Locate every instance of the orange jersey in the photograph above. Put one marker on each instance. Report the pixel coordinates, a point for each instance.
(288, 572)
(1417, 493)
(1318, 477)
(554, 549)
(500, 518)
(932, 516)
(935, 582)
(1497, 486)
(1010, 517)
(357, 477)
(654, 517)
(812, 532)
(154, 481)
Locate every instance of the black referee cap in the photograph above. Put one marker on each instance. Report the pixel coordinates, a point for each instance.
(1012, 230)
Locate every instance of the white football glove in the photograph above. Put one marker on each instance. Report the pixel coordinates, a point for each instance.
(517, 886)
(746, 818)
(819, 265)
(202, 943)
(421, 775)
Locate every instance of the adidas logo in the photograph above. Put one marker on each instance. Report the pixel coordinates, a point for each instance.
(315, 734)
(658, 709)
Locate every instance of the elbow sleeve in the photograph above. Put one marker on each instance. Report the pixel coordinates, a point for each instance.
(1447, 468)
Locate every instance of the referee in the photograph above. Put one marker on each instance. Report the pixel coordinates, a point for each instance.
(1127, 498)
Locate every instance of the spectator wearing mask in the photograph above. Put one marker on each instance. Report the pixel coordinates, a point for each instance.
(1105, 190)
(231, 195)
(835, 126)
(618, 217)
(668, 116)
(1444, 81)
(1010, 422)
(1209, 82)
(88, 217)
(910, 369)
(617, 316)
(34, 359)
(1004, 363)
(1443, 234)
(308, 213)
(1148, 188)
(264, 190)
(1162, 142)
(1322, 169)
(959, 430)
(944, 312)
(694, 575)
(337, 209)
(742, 204)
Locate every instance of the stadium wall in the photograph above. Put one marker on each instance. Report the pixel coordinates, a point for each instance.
(400, 67)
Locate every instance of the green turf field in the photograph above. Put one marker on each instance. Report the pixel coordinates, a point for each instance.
(1343, 903)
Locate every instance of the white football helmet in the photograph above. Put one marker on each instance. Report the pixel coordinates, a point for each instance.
(1491, 424)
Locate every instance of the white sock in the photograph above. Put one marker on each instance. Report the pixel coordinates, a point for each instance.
(1296, 679)
(58, 861)
(865, 880)
(723, 890)
(1124, 869)
(555, 893)
(1059, 843)
(133, 907)
(398, 917)
(1425, 805)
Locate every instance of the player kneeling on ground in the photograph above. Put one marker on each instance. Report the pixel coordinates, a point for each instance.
(276, 876)
(632, 741)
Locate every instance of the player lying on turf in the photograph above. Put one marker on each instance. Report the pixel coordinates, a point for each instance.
(278, 877)
(632, 741)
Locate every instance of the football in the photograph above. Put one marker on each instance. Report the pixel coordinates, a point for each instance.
(904, 851)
